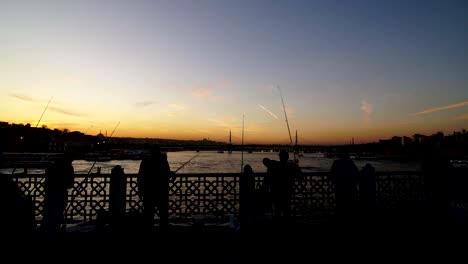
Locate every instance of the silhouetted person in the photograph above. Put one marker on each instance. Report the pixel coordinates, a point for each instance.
(59, 177)
(435, 175)
(247, 197)
(367, 188)
(16, 207)
(344, 175)
(117, 195)
(153, 187)
(281, 176)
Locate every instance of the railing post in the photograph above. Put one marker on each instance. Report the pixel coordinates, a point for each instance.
(117, 195)
(246, 188)
(367, 188)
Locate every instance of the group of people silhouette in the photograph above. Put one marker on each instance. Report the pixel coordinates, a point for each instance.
(354, 190)
(278, 188)
(155, 174)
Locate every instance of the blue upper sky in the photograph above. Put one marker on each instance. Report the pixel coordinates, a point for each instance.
(192, 69)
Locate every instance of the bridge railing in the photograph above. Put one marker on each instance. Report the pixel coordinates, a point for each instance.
(214, 195)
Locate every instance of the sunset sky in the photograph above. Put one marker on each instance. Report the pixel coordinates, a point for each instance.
(193, 69)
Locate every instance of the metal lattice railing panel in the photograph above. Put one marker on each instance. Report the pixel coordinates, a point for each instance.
(394, 188)
(215, 195)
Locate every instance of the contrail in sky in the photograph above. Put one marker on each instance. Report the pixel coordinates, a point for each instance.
(144, 103)
(440, 108)
(268, 111)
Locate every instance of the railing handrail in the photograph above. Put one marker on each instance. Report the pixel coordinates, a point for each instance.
(221, 174)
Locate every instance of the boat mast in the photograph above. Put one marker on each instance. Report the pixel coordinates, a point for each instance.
(242, 146)
(296, 137)
(230, 142)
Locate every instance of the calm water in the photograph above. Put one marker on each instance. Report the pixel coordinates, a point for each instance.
(231, 162)
(215, 162)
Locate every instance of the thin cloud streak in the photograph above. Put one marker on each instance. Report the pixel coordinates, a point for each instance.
(65, 111)
(441, 108)
(268, 111)
(221, 123)
(177, 109)
(50, 108)
(23, 97)
(144, 103)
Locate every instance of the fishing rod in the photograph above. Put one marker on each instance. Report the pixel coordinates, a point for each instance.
(80, 187)
(88, 129)
(38, 121)
(114, 129)
(285, 116)
(287, 122)
(44, 111)
(186, 163)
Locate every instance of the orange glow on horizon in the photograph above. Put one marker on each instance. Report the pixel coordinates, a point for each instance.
(322, 137)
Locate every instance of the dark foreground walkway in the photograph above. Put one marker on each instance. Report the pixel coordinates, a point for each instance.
(388, 238)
